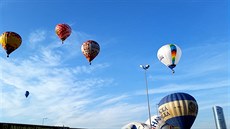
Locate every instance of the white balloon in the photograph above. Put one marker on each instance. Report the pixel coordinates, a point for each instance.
(169, 55)
(136, 125)
(158, 123)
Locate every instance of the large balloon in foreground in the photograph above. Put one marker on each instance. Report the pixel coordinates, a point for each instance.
(90, 49)
(178, 109)
(158, 123)
(10, 41)
(63, 31)
(169, 55)
(27, 94)
(136, 125)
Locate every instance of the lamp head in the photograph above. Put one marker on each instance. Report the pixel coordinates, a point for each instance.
(145, 67)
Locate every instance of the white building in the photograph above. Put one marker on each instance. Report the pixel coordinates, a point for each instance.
(219, 117)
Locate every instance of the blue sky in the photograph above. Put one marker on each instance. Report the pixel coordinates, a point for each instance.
(111, 92)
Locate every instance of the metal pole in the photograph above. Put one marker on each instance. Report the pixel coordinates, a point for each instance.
(157, 105)
(146, 82)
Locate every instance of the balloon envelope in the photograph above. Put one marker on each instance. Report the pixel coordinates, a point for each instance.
(90, 49)
(27, 94)
(63, 31)
(10, 41)
(169, 55)
(178, 109)
(136, 125)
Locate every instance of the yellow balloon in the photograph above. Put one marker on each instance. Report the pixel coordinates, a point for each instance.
(10, 41)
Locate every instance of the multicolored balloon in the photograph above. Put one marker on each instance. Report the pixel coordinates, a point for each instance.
(90, 49)
(10, 41)
(158, 123)
(169, 55)
(178, 109)
(63, 31)
(136, 125)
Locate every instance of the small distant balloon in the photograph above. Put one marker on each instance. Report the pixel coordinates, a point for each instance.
(10, 41)
(27, 94)
(169, 55)
(63, 31)
(90, 50)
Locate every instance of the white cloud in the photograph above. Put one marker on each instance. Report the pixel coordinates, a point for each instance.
(110, 117)
(170, 88)
(59, 92)
(113, 100)
(55, 92)
(37, 36)
(188, 87)
(86, 69)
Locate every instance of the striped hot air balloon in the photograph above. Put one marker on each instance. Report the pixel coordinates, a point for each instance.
(10, 41)
(63, 31)
(178, 109)
(169, 55)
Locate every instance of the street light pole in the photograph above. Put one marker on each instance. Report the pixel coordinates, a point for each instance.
(146, 82)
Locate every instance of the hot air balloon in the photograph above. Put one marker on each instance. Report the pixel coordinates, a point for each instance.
(158, 123)
(27, 94)
(178, 109)
(136, 125)
(169, 55)
(90, 49)
(10, 41)
(63, 31)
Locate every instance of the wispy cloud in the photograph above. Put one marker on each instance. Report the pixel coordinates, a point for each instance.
(54, 92)
(114, 100)
(37, 36)
(187, 87)
(59, 92)
(116, 116)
